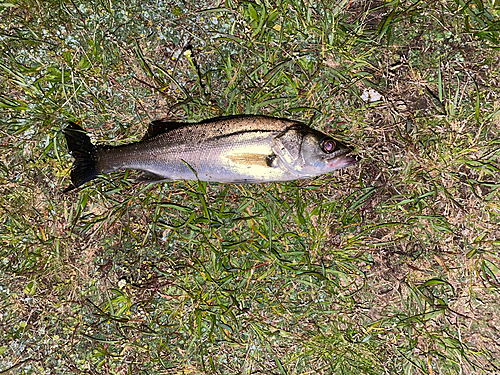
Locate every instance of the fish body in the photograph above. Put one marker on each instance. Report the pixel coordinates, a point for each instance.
(234, 149)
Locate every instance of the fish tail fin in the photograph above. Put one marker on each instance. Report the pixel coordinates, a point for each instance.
(81, 148)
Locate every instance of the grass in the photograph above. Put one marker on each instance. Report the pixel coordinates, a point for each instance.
(388, 267)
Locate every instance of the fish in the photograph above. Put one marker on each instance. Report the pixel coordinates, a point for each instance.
(232, 149)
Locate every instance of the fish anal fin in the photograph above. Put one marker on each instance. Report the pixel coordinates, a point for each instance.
(151, 178)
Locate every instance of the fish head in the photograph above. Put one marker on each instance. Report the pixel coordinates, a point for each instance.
(308, 152)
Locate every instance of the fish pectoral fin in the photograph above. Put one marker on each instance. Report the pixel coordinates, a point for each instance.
(251, 159)
(151, 178)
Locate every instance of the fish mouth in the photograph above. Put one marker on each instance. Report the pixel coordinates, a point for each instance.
(343, 159)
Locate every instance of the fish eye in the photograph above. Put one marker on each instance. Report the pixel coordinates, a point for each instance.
(328, 145)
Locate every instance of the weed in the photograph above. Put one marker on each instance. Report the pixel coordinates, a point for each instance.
(391, 266)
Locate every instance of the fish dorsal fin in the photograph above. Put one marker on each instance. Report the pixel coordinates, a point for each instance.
(161, 127)
(225, 118)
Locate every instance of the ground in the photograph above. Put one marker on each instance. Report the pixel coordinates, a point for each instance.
(390, 266)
